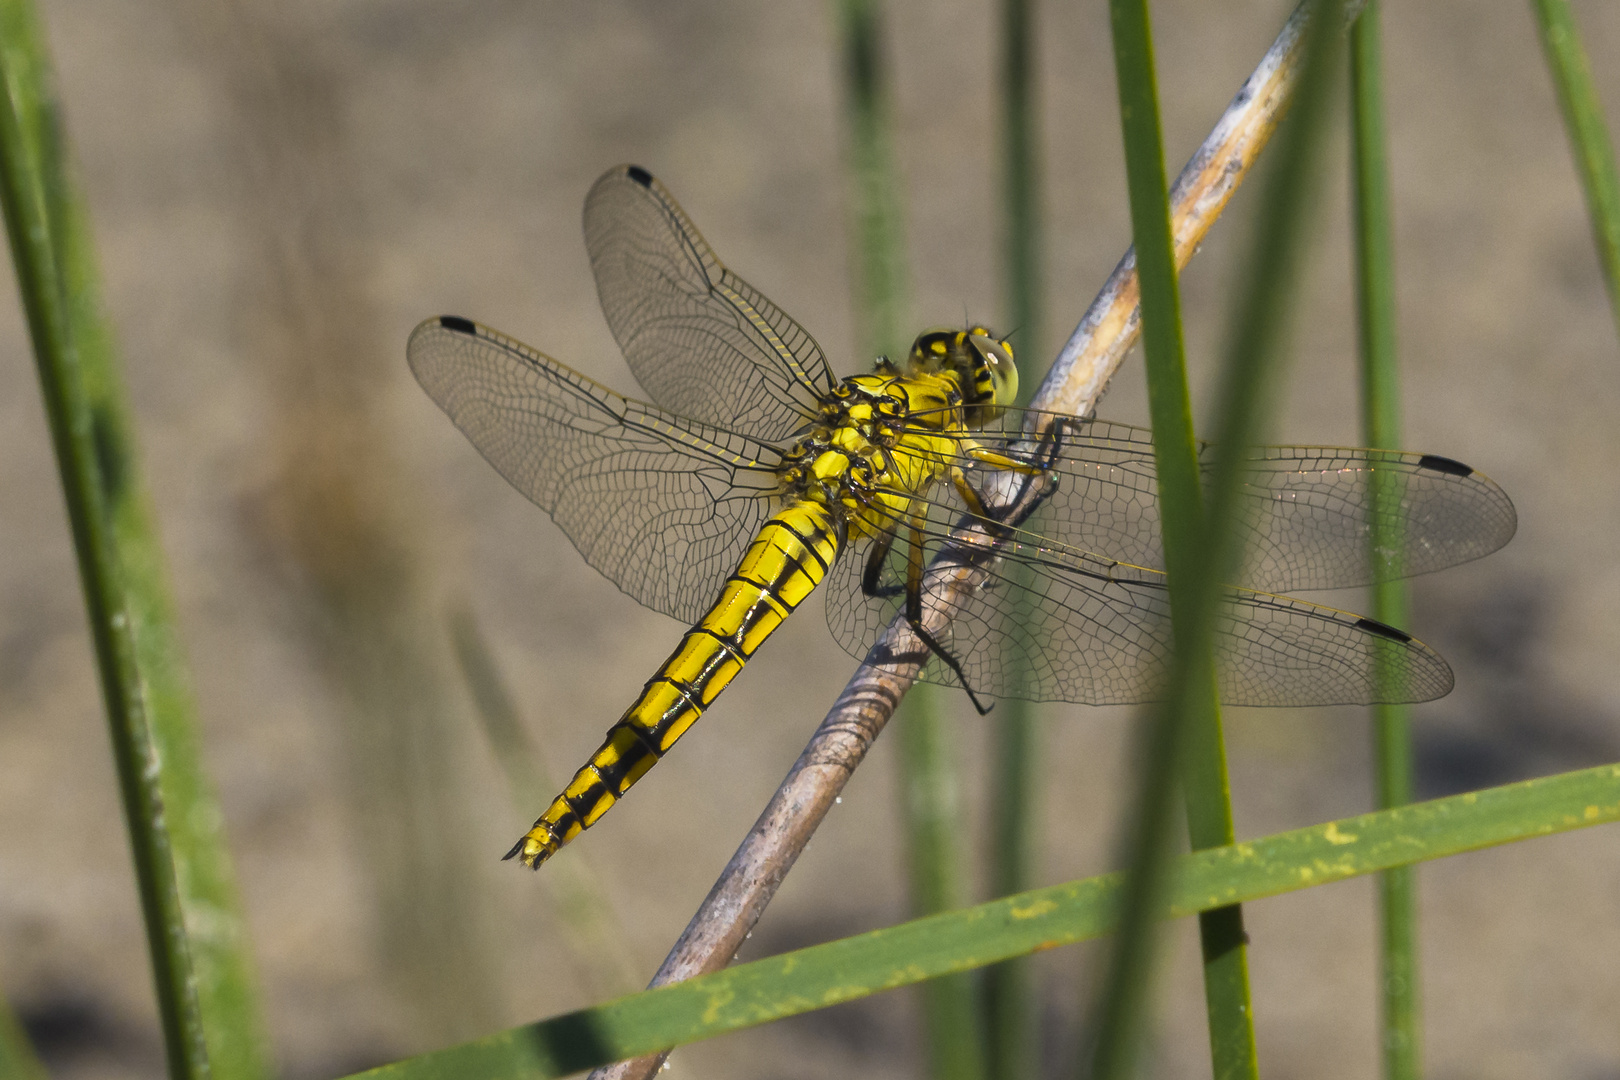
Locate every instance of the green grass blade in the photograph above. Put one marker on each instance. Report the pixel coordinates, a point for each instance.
(1588, 134)
(195, 929)
(1273, 271)
(1124, 1008)
(17, 1058)
(880, 288)
(1011, 1010)
(958, 941)
(1012, 1036)
(1381, 427)
(596, 936)
(1184, 737)
(933, 825)
(1250, 372)
(1023, 281)
(928, 774)
(519, 757)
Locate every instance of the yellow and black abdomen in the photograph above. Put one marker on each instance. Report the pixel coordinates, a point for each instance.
(786, 561)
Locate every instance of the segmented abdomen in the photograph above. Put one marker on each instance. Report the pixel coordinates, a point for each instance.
(786, 561)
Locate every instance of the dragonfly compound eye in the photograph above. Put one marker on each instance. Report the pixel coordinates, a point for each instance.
(995, 380)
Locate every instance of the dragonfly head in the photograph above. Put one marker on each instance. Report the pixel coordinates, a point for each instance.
(982, 363)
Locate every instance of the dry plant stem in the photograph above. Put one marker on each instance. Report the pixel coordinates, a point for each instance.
(1073, 385)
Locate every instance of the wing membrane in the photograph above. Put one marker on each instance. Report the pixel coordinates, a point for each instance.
(1307, 515)
(700, 340)
(1051, 623)
(663, 506)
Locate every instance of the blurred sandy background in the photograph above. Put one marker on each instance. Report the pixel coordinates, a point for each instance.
(280, 192)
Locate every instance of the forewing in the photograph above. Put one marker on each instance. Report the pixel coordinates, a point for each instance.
(1051, 623)
(700, 340)
(663, 506)
(1307, 513)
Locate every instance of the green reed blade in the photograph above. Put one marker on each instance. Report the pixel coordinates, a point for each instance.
(1381, 427)
(958, 941)
(1023, 282)
(596, 936)
(1251, 370)
(1588, 133)
(880, 288)
(1123, 1010)
(928, 774)
(194, 924)
(1011, 1008)
(1011, 1014)
(17, 1058)
(933, 822)
(1183, 739)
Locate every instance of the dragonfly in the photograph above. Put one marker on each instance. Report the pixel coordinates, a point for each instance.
(753, 475)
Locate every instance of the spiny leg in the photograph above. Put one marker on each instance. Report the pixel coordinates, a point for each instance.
(1006, 463)
(1037, 468)
(876, 556)
(970, 497)
(914, 577)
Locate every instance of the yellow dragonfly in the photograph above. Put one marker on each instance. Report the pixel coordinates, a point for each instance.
(755, 475)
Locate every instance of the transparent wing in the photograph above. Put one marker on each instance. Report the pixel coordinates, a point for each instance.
(664, 507)
(700, 340)
(1308, 510)
(1050, 623)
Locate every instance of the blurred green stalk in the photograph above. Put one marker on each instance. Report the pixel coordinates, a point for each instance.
(928, 774)
(334, 508)
(880, 286)
(1183, 739)
(1011, 1009)
(195, 931)
(596, 936)
(933, 820)
(1588, 134)
(1192, 714)
(17, 1058)
(1381, 427)
(1012, 1035)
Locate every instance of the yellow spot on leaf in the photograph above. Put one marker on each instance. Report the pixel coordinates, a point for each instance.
(717, 1001)
(843, 993)
(1033, 911)
(1333, 836)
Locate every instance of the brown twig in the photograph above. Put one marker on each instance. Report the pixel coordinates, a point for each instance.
(1073, 385)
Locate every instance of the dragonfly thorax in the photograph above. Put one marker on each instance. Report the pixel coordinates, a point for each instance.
(844, 451)
(879, 441)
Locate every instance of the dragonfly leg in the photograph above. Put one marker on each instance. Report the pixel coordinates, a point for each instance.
(970, 498)
(1006, 463)
(876, 556)
(914, 576)
(1036, 467)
